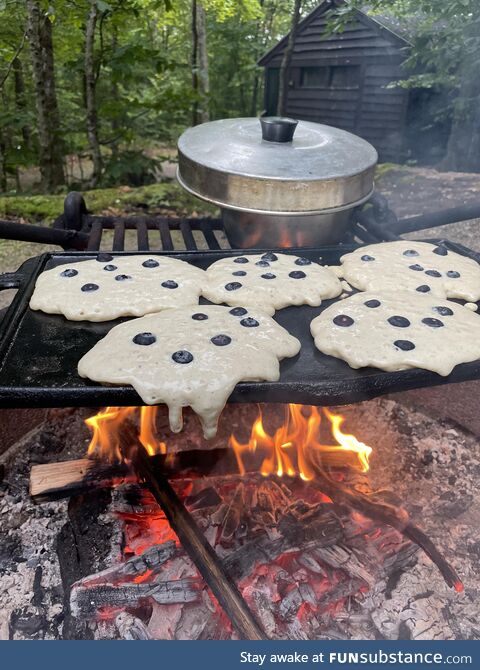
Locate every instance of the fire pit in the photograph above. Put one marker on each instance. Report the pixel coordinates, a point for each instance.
(278, 529)
(111, 565)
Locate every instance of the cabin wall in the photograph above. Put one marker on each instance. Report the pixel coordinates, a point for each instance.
(350, 87)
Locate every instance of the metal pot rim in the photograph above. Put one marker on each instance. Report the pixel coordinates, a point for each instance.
(312, 212)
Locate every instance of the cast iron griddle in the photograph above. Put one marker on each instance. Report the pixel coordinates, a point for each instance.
(39, 352)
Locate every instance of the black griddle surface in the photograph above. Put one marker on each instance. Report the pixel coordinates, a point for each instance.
(39, 352)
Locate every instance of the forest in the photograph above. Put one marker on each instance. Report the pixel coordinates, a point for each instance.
(95, 92)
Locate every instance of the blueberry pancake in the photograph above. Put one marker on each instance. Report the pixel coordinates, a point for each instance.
(112, 286)
(191, 356)
(392, 332)
(417, 266)
(270, 281)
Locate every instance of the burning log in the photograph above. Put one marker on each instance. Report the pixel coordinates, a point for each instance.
(54, 481)
(323, 531)
(397, 517)
(86, 601)
(152, 561)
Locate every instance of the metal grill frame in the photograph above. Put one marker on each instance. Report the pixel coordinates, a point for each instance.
(77, 229)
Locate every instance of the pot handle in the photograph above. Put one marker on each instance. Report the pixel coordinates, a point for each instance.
(278, 128)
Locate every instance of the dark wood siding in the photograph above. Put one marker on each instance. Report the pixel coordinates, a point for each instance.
(369, 107)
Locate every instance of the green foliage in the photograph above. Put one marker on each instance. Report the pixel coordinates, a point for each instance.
(132, 168)
(162, 196)
(142, 61)
(142, 57)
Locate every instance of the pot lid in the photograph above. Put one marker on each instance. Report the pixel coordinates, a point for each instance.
(275, 165)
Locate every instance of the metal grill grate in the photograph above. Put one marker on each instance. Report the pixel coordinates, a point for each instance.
(154, 233)
(76, 229)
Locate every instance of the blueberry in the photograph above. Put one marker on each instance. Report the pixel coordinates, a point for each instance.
(423, 288)
(441, 251)
(443, 311)
(90, 287)
(433, 323)
(110, 268)
(199, 316)
(249, 322)
(150, 263)
(263, 264)
(144, 338)
(297, 274)
(169, 284)
(453, 274)
(221, 340)
(182, 357)
(238, 311)
(70, 272)
(367, 258)
(239, 273)
(104, 258)
(372, 303)
(269, 256)
(343, 320)
(404, 345)
(398, 321)
(240, 259)
(303, 261)
(269, 275)
(233, 286)
(433, 273)
(122, 277)
(410, 252)
(416, 267)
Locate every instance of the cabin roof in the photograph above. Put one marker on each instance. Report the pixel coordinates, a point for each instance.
(391, 27)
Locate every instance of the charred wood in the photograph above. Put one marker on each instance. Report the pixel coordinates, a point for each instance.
(325, 530)
(54, 481)
(394, 516)
(86, 601)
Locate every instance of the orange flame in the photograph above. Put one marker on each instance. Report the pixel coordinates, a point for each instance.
(107, 431)
(288, 451)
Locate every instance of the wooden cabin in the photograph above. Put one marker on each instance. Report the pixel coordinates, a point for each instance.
(342, 80)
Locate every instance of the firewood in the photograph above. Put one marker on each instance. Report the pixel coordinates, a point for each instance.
(86, 601)
(151, 560)
(392, 515)
(54, 481)
(324, 530)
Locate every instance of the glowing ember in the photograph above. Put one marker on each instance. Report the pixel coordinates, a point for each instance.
(293, 446)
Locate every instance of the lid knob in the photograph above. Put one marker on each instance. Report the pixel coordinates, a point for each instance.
(278, 128)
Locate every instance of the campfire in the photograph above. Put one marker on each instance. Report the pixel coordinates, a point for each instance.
(276, 535)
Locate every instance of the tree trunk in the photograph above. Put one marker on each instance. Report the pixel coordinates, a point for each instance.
(284, 74)
(194, 64)
(3, 164)
(39, 33)
(200, 78)
(203, 78)
(90, 102)
(256, 75)
(20, 102)
(115, 94)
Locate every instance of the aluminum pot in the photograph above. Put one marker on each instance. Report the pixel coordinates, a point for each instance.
(278, 182)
